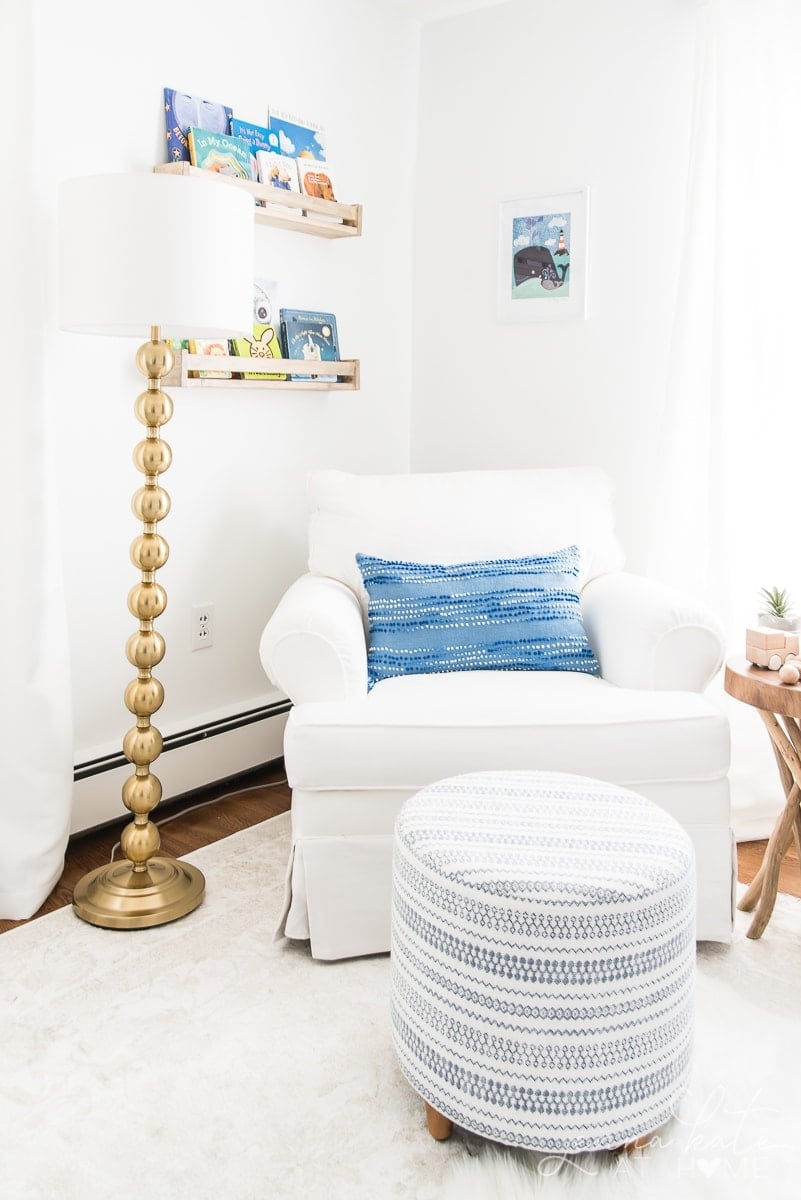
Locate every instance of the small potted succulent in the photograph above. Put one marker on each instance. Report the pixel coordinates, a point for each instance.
(776, 609)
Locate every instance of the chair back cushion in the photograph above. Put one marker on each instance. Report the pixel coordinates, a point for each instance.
(459, 516)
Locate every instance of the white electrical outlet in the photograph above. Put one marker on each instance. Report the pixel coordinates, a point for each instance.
(201, 627)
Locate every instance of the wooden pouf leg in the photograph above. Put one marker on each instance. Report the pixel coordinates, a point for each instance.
(439, 1127)
(640, 1143)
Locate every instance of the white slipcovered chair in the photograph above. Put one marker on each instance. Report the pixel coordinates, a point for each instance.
(353, 754)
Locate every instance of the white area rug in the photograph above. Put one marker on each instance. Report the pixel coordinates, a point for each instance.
(202, 1060)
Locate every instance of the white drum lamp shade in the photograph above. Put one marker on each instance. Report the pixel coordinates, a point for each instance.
(153, 249)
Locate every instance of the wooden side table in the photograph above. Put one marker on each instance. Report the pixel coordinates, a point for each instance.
(779, 706)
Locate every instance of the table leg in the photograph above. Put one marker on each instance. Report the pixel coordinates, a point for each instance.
(764, 887)
(783, 833)
(793, 732)
(777, 848)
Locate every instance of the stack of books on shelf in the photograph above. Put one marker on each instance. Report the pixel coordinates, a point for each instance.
(307, 335)
(286, 153)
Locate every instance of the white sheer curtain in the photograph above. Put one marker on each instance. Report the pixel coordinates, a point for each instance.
(730, 456)
(35, 720)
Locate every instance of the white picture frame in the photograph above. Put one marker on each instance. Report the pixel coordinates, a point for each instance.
(550, 282)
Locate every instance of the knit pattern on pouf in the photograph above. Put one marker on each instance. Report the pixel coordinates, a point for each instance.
(543, 957)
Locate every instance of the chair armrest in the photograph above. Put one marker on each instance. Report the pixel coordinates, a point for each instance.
(648, 635)
(313, 647)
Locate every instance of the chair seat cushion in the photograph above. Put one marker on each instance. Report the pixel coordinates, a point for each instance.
(412, 729)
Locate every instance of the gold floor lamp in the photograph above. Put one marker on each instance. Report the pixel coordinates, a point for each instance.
(174, 255)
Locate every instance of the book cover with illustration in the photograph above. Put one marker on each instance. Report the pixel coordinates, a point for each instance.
(257, 137)
(278, 171)
(311, 336)
(265, 342)
(219, 152)
(215, 346)
(181, 111)
(315, 179)
(263, 345)
(296, 136)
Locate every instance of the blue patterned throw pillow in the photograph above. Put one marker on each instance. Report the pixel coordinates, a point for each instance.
(506, 614)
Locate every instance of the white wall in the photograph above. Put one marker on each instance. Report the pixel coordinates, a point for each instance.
(525, 99)
(515, 99)
(237, 525)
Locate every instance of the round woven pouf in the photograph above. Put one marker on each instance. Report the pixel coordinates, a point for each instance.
(543, 956)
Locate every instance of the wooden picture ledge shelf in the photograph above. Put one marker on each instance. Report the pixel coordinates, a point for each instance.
(347, 372)
(284, 210)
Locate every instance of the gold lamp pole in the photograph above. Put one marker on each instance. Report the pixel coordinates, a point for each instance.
(144, 890)
(110, 226)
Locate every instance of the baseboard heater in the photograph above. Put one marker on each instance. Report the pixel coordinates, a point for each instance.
(187, 737)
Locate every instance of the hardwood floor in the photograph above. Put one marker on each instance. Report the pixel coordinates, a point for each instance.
(749, 859)
(233, 804)
(237, 804)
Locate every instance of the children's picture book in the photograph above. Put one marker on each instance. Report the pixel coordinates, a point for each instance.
(315, 179)
(311, 336)
(182, 110)
(278, 171)
(263, 345)
(265, 342)
(219, 152)
(258, 137)
(210, 346)
(296, 136)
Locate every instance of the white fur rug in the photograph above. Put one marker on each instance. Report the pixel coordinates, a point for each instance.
(203, 1060)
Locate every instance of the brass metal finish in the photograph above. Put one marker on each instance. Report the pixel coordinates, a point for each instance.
(144, 890)
(116, 898)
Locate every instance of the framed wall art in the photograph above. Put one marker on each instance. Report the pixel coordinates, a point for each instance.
(542, 257)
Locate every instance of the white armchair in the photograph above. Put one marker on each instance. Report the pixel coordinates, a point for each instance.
(353, 756)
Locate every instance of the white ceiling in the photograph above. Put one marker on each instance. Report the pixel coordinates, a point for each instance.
(432, 10)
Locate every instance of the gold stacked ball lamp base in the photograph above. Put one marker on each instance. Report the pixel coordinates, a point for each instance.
(117, 897)
(142, 889)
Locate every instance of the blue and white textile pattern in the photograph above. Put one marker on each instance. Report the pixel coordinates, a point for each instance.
(543, 957)
(505, 614)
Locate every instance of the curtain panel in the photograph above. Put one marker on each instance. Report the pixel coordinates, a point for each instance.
(35, 724)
